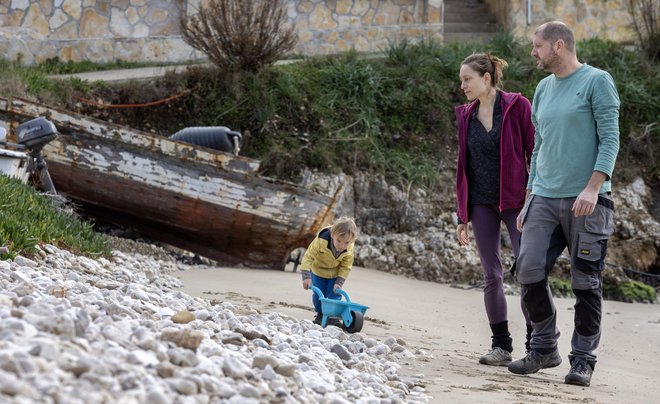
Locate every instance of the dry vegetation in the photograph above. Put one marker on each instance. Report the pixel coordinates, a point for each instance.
(240, 35)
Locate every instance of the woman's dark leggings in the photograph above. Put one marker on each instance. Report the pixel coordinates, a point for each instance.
(486, 221)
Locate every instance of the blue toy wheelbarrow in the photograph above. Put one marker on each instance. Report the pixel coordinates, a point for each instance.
(351, 314)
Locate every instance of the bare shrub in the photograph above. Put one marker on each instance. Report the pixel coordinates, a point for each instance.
(645, 14)
(240, 34)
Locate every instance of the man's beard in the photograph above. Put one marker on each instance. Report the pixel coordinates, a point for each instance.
(550, 62)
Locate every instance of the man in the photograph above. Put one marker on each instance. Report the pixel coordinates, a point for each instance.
(576, 115)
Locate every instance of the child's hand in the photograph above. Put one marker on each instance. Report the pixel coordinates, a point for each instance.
(307, 283)
(339, 282)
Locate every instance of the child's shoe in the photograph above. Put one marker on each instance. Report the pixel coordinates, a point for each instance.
(318, 319)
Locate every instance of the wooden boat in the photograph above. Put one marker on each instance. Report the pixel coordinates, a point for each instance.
(206, 201)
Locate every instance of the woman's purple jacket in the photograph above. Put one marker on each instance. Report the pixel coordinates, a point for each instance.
(516, 145)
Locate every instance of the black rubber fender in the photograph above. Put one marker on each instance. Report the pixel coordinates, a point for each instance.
(213, 137)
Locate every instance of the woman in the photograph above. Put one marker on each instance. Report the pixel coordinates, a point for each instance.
(495, 142)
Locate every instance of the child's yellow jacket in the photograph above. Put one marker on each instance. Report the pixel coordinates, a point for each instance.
(319, 258)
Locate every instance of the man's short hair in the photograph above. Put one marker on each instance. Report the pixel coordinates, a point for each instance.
(555, 30)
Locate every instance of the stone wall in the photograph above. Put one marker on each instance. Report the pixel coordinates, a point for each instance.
(326, 27)
(97, 30)
(32, 31)
(607, 19)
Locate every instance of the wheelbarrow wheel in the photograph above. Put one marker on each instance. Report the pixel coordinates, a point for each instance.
(356, 324)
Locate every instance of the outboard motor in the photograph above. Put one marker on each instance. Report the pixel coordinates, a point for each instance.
(214, 137)
(34, 135)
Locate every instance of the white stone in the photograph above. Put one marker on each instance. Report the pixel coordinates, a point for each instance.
(140, 30)
(638, 186)
(19, 4)
(144, 358)
(234, 368)
(110, 329)
(57, 20)
(24, 262)
(119, 24)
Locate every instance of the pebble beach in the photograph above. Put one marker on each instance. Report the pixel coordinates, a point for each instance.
(117, 330)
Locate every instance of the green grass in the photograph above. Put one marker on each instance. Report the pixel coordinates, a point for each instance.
(56, 66)
(626, 291)
(560, 287)
(28, 218)
(630, 291)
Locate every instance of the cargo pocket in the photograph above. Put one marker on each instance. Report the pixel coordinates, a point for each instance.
(601, 221)
(592, 249)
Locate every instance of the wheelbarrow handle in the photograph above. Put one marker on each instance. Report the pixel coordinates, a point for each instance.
(343, 293)
(339, 291)
(317, 291)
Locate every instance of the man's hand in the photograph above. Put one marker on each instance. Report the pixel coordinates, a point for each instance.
(462, 234)
(585, 203)
(307, 283)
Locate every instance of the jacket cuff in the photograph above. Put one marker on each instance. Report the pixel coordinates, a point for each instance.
(339, 281)
(306, 274)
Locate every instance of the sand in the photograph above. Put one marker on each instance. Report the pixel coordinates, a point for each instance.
(450, 323)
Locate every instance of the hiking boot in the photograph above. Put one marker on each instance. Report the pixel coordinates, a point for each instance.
(580, 373)
(496, 357)
(318, 319)
(534, 362)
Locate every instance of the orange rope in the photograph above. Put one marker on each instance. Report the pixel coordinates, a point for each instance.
(148, 104)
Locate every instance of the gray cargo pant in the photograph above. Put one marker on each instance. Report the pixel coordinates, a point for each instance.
(549, 226)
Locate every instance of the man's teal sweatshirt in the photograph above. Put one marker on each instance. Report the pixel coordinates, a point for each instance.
(577, 132)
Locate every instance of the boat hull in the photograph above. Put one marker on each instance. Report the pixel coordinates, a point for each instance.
(208, 202)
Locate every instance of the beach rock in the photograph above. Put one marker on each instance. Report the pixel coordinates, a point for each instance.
(183, 317)
(341, 352)
(412, 233)
(117, 330)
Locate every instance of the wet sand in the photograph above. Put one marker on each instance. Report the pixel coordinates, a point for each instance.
(450, 323)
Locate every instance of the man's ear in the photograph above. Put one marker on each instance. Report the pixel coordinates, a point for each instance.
(560, 44)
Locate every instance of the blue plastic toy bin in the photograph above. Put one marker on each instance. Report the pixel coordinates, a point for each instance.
(351, 314)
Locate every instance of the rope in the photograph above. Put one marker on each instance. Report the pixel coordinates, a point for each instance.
(147, 104)
(645, 277)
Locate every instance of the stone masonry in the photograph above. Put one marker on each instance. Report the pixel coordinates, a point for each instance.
(32, 31)
(607, 19)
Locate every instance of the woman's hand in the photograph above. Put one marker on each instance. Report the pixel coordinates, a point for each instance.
(307, 283)
(462, 234)
(519, 221)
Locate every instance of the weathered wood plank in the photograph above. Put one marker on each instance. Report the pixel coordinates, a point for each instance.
(206, 201)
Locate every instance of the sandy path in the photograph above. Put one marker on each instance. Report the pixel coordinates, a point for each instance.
(451, 324)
